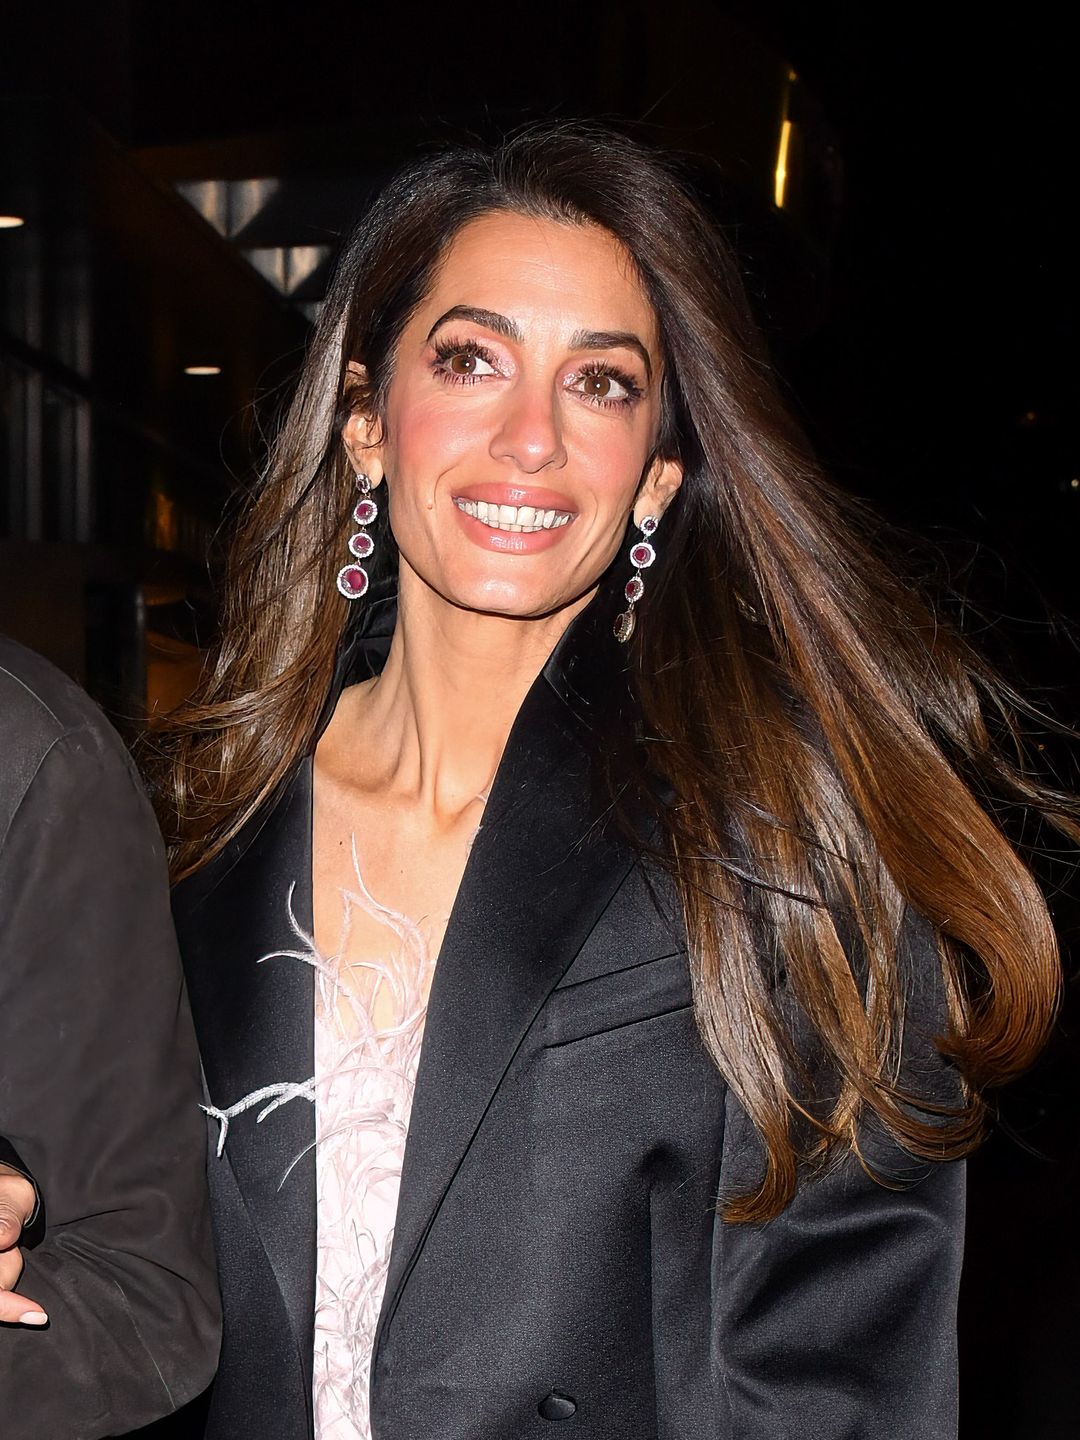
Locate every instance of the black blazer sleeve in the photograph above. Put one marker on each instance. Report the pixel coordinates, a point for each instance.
(99, 1091)
(838, 1318)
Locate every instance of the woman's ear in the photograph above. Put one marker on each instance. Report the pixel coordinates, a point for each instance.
(362, 433)
(658, 489)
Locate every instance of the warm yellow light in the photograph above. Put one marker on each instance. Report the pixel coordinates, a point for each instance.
(780, 183)
(11, 222)
(202, 369)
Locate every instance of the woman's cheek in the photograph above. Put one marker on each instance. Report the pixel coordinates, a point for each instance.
(610, 464)
(431, 439)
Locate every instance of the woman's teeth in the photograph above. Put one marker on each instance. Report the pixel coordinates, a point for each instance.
(525, 518)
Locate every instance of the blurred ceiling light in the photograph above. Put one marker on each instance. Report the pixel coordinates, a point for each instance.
(781, 174)
(11, 222)
(229, 205)
(287, 267)
(202, 369)
(780, 182)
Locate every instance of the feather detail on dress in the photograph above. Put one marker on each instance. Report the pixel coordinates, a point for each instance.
(362, 1090)
(365, 1076)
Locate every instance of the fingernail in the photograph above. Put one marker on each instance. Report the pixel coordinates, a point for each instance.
(33, 1317)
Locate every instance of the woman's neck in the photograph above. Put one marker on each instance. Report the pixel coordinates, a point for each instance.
(443, 706)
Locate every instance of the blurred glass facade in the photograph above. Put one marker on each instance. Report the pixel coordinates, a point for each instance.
(115, 465)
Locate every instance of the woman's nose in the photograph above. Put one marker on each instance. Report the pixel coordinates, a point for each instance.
(529, 434)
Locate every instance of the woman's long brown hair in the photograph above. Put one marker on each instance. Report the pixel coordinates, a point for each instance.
(834, 746)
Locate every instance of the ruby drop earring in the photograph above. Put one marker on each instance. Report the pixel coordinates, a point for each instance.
(642, 556)
(352, 579)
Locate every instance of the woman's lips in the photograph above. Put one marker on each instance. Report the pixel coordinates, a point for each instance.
(527, 541)
(539, 516)
(513, 517)
(501, 492)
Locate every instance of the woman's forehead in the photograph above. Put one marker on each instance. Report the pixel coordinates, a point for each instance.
(527, 267)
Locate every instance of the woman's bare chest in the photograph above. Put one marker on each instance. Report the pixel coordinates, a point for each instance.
(384, 884)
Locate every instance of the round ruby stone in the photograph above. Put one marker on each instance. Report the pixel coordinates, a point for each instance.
(361, 545)
(352, 581)
(365, 512)
(642, 555)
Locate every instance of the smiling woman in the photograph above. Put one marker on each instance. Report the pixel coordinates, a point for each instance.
(603, 908)
(522, 405)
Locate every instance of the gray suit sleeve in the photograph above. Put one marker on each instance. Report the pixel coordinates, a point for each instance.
(99, 1091)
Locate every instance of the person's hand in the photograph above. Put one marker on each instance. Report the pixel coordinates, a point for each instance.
(17, 1201)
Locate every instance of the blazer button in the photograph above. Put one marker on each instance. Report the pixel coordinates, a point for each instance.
(557, 1406)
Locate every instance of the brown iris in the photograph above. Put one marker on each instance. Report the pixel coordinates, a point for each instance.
(463, 363)
(598, 385)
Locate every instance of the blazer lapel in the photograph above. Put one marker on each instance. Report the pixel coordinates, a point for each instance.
(254, 1018)
(541, 871)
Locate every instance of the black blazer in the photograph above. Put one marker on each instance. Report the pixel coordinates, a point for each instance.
(99, 1080)
(557, 1258)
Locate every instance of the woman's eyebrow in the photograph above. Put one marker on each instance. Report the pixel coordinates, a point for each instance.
(611, 340)
(580, 340)
(490, 319)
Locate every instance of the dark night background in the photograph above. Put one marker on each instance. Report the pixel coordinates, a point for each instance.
(918, 287)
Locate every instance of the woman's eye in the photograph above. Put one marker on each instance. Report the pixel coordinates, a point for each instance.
(600, 387)
(461, 364)
(465, 364)
(603, 387)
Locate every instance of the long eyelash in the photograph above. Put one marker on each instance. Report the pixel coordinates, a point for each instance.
(633, 390)
(445, 350)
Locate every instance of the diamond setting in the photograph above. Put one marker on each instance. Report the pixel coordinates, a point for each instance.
(624, 626)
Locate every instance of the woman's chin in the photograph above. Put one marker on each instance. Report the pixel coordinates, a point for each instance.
(507, 600)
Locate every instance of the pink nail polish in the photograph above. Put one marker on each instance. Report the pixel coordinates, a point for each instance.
(33, 1317)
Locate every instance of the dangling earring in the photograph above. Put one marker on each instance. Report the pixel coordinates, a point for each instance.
(352, 579)
(642, 556)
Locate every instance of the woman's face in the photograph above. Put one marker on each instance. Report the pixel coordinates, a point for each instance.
(522, 410)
